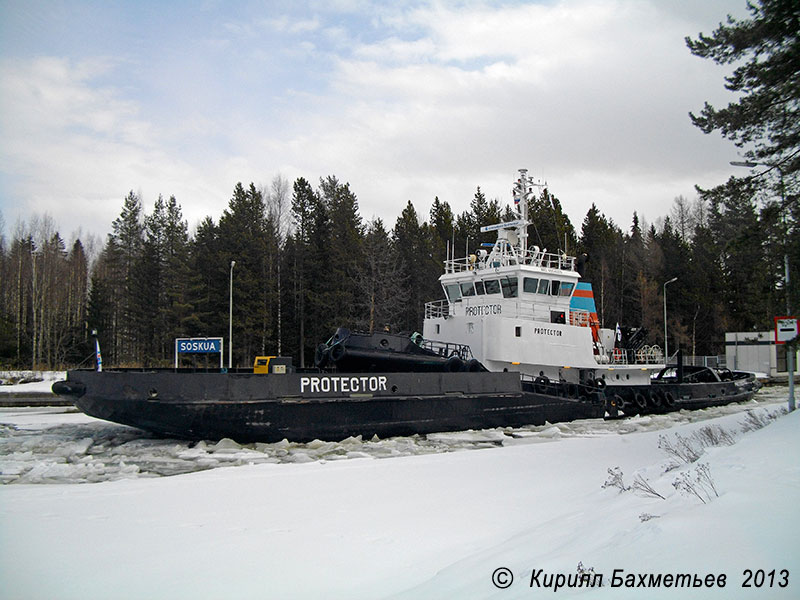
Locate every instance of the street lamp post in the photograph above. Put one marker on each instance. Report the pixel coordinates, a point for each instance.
(230, 320)
(666, 344)
(790, 350)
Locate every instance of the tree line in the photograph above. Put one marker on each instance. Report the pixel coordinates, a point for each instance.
(303, 262)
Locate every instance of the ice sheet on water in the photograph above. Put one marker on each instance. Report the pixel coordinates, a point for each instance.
(60, 446)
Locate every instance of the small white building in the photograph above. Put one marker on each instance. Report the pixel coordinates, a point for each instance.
(757, 351)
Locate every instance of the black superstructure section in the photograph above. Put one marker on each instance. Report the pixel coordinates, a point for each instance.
(353, 352)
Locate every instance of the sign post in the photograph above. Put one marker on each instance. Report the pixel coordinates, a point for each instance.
(786, 331)
(198, 346)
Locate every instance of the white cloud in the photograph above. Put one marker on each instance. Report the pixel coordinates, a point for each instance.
(579, 91)
(73, 149)
(425, 100)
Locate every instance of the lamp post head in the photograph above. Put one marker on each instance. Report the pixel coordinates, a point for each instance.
(671, 280)
(233, 263)
(744, 163)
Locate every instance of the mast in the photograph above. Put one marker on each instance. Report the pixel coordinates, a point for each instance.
(521, 192)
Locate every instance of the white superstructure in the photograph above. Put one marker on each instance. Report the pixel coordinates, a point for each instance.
(510, 304)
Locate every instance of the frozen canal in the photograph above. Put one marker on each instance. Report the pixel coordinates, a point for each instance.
(62, 445)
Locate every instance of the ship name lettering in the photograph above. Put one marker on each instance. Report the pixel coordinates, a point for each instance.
(317, 385)
(483, 310)
(547, 331)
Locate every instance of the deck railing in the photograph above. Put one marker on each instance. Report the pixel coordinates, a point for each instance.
(438, 309)
(510, 257)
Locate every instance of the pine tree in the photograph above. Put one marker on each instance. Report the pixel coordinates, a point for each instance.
(123, 252)
(704, 284)
(382, 287)
(740, 241)
(599, 241)
(176, 275)
(345, 251)
(308, 272)
(551, 227)
(418, 267)
(207, 284)
(245, 236)
(765, 118)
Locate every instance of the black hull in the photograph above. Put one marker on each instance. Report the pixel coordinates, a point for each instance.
(302, 407)
(669, 396)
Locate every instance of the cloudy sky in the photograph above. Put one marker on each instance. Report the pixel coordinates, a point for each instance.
(405, 100)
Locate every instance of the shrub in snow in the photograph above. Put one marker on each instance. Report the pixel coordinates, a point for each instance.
(682, 449)
(640, 484)
(698, 483)
(713, 435)
(688, 450)
(647, 516)
(757, 420)
(615, 480)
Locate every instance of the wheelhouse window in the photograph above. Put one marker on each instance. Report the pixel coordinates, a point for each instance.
(492, 286)
(544, 286)
(530, 285)
(555, 286)
(467, 289)
(479, 289)
(566, 289)
(509, 286)
(453, 291)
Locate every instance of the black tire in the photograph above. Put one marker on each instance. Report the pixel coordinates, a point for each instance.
(655, 399)
(669, 400)
(640, 401)
(454, 365)
(321, 356)
(337, 352)
(474, 366)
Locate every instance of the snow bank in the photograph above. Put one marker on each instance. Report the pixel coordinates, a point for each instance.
(29, 381)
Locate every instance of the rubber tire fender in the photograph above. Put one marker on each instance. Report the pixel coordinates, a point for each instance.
(655, 399)
(454, 364)
(321, 356)
(337, 352)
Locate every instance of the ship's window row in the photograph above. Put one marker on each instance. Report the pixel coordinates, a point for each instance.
(534, 285)
(509, 287)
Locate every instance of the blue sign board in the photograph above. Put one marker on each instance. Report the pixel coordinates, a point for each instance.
(199, 345)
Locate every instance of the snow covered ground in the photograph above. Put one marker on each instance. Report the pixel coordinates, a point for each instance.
(437, 519)
(29, 382)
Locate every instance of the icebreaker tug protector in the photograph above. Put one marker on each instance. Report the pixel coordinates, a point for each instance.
(524, 309)
(516, 342)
